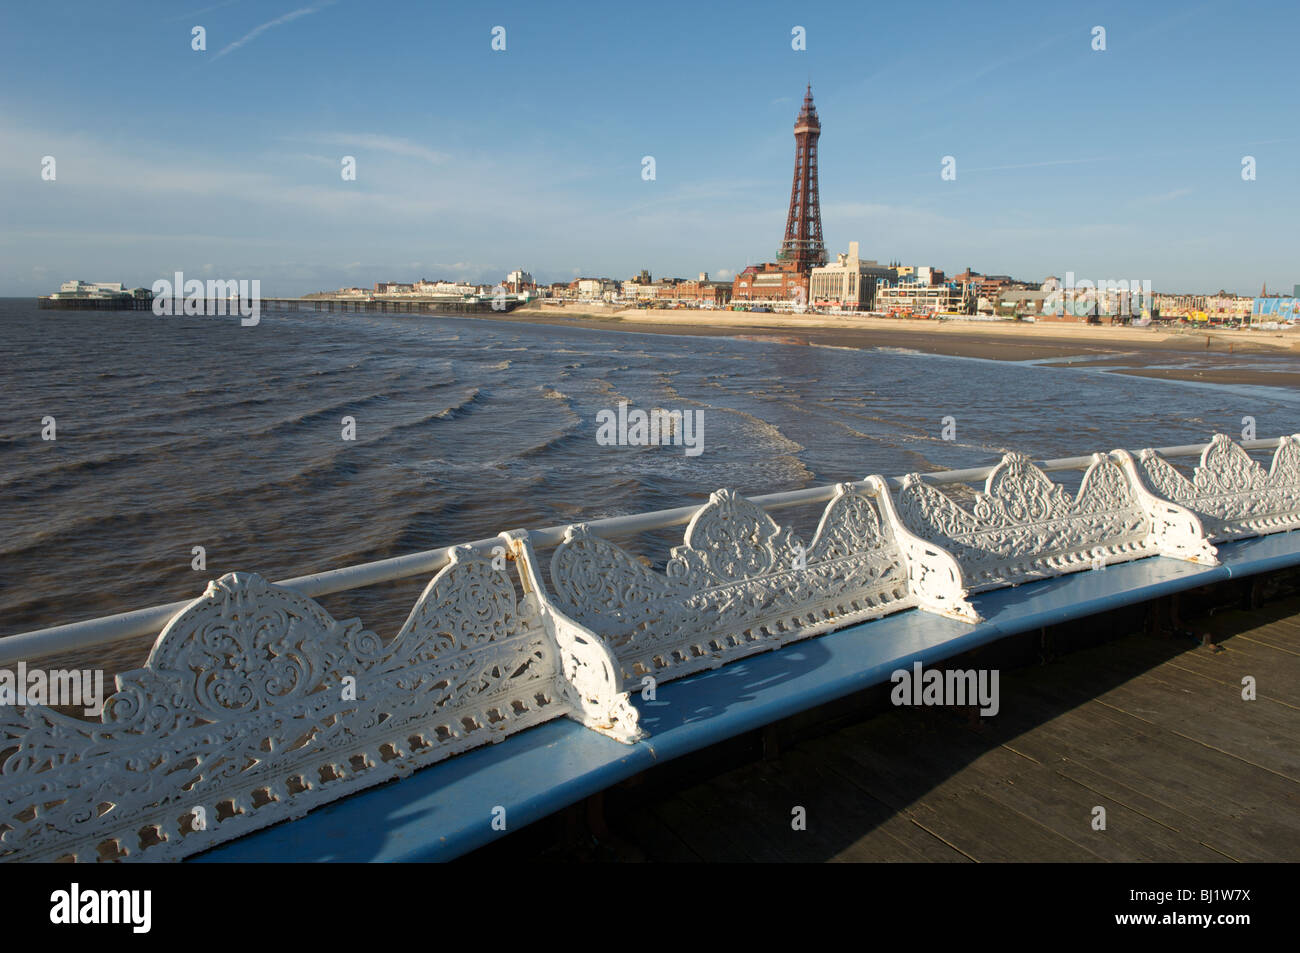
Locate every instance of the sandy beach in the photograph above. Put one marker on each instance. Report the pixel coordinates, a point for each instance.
(1270, 358)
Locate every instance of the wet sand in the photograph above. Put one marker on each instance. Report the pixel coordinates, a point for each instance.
(1119, 349)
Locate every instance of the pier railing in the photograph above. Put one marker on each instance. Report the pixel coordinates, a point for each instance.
(256, 705)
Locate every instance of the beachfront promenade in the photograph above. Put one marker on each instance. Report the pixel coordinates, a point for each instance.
(541, 668)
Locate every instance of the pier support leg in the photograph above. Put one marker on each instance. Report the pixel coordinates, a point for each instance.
(596, 816)
(1254, 595)
(771, 742)
(1164, 619)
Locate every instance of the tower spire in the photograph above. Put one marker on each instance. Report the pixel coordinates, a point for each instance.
(802, 246)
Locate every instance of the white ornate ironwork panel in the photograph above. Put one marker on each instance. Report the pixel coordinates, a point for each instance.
(588, 675)
(255, 706)
(1023, 526)
(739, 584)
(1231, 493)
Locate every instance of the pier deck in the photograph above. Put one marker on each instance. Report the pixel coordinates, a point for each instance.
(1151, 727)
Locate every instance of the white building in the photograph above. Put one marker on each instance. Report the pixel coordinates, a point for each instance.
(518, 281)
(638, 291)
(596, 289)
(848, 282)
(917, 298)
(443, 288)
(91, 287)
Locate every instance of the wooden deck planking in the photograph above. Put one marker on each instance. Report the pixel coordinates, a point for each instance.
(950, 805)
(1163, 777)
(851, 814)
(1213, 717)
(1057, 800)
(1172, 768)
(1152, 729)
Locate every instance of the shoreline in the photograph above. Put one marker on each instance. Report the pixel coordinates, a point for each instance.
(1121, 350)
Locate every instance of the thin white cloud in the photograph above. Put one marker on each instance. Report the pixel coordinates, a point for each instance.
(1163, 197)
(393, 145)
(258, 30)
(199, 13)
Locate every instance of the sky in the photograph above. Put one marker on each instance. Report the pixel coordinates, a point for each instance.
(1122, 163)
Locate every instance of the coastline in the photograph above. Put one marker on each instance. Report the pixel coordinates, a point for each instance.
(1122, 350)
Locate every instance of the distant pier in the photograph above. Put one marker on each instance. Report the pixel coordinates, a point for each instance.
(144, 302)
(110, 302)
(396, 305)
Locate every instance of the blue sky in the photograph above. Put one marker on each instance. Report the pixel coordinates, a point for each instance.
(1117, 164)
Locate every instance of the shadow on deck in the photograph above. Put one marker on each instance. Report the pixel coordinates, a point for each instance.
(1150, 726)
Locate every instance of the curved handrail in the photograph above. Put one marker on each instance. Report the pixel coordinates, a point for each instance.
(104, 630)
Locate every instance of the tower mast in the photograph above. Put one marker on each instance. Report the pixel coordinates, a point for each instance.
(802, 247)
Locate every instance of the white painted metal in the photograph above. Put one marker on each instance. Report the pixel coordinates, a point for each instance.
(92, 632)
(1233, 495)
(1023, 526)
(255, 706)
(741, 583)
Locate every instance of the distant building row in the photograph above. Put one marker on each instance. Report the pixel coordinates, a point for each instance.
(853, 284)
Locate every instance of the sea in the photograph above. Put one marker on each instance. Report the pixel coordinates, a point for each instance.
(171, 433)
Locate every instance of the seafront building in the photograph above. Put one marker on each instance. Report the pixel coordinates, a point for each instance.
(989, 289)
(520, 282)
(1016, 303)
(917, 297)
(1228, 307)
(1275, 308)
(597, 289)
(849, 283)
(770, 282)
(701, 292)
(634, 291)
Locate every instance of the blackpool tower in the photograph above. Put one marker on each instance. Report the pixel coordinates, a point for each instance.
(803, 248)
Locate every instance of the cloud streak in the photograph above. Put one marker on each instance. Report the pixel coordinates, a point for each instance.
(393, 145)
(259, 30)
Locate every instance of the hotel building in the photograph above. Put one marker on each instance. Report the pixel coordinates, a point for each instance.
(849, 283)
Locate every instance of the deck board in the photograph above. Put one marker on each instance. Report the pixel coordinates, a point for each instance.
(1174, 781)
(850, 814)
(1153, 729)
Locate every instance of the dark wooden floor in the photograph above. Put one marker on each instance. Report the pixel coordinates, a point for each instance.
(1153, 729)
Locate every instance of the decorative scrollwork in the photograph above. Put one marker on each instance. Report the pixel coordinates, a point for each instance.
(256, 705)
(1229, 491)
(740, 583)
(1024, 526)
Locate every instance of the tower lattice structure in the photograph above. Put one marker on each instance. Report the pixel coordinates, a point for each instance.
(803, 247)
